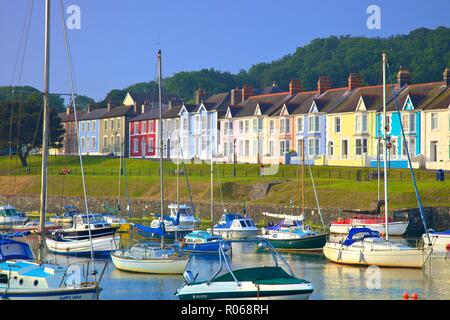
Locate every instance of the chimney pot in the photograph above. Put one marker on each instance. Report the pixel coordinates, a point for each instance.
(236, 96)
(446, 76)
(354, 81)
(69, 109)
(323, 84)
(403, 77)
(109, 105)
(295, 86)
(247, 91)
(200, 96)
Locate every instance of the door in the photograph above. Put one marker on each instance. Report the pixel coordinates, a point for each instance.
(433, 151)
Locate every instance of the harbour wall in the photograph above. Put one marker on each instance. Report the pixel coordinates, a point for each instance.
(437, 218)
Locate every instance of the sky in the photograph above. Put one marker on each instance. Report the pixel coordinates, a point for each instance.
(117, 42)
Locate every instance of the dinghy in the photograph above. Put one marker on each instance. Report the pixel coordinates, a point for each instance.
(200, 241)
(255, 283)
(96, 246)
(234, 226)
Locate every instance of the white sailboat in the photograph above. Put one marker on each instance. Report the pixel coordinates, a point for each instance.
(144, 257)
(21, 275)
(364, 246)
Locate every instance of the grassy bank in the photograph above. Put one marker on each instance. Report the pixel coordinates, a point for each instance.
(339, 187)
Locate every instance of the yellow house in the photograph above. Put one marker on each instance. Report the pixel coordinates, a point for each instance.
(436, 131)
(351, 127)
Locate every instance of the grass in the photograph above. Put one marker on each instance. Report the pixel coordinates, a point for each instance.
(337, 186)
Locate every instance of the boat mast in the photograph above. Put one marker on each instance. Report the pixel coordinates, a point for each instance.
(161, 145)
(303, 175)
(385, 150)
(212, 176)
(45, 135)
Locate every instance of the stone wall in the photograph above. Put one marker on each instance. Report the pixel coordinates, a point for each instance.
(437, 218)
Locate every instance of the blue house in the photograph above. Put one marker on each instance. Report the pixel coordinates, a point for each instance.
(89, 131)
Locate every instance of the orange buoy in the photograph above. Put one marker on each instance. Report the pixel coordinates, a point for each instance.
(415, 296)
(406, 296)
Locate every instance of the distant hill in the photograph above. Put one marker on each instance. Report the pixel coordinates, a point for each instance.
(423, 51)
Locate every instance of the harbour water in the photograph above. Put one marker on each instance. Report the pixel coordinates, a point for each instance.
(331, 281)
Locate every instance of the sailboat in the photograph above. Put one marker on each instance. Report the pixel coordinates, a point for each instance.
(254, 283)
(291, 234)
(364, 246)
(24, 277)
(146, 257)
(200, 241)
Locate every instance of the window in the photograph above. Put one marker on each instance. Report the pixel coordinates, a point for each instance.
(82, 144)
(106, 124)
(204, 122)
(345, 149)
(94, 143)
(241, 147)
(136, 127)
(434, 121)
(186, 124)
(88, 125)
(313, 147)
(300, 124)
(337, 124)
(230, 149)
(150, 145)
(88, 143)
(82, 127)
(271, 126)
(411, 146)
(284, 125)
(135, 145)
(241, 126)
(388, 123)
(361, 146)
(144, 126)
(409, 122)
(314, 124)
(105, 142)
(255, 148)
(361, 123)
(228, 127)
(247, 126)
(204, 144)
(330, 148)
(260, 125)
(112, 124)
(118, 123)
(284, 147)
(247, 147)
(93, 125)
(271, 148)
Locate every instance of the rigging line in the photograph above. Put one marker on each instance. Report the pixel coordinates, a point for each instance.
(72, 86)
(419, 201)
(18, 145)
(315, 191)
(220, 187)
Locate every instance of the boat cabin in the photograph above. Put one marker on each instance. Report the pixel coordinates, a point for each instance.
(96, 221)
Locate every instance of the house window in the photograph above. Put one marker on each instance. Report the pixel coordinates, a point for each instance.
(388, 123)
(144, 126)
(435, 121)
(337, 124)
(106, 124)
(284, 147)
(241, 126)
(204, 122)
(271, 126)
(361, 123)
(82, 144)
(299, 147)
(105, 142)
(260, 125)
(82, 127)
(94, 125)
(330, 148)
(88, 125)
(150, 145)
(118, 123)
(284, 125)
(300, 124)
(241, 148)
(94, 143)
(228, 127)
(271, 148)
(186, 124)
(313, 147)
(409, 122)
(411, 146)
(247, 148)
(230, 149)
(112, 124)
(247, 126)
(345, 149)
(361, 146)
(135, 145)
(314, 124)
(136, 127)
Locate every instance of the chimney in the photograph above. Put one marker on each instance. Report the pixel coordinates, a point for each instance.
(146, 106)
(353, 81)
(170, 104)
(446, 76)
(323, 84)
(110, 105)
(247, 91)
(295, 86)
(69, 109)
(236, 96)
(89, 108)
(200, 95)
(403, 77)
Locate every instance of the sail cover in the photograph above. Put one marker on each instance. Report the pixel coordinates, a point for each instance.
(157, 231)
(285, 216)
(11, 249)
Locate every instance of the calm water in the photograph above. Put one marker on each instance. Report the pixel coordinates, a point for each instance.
(331, 281)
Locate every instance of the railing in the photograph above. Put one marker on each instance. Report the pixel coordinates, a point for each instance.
(87, 271)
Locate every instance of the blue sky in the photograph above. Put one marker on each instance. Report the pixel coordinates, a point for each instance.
(118, 40)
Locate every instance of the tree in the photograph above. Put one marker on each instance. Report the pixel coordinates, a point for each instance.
(26, 129)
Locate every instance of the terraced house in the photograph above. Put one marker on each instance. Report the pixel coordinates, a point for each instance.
(89, 130)
(199, 125)
(70, 139)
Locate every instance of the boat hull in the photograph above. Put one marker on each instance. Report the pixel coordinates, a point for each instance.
(154, 266)
(307, 243)
(440, 242)
(235, 234)
(397, 228)
(247, 291)
(84, 234)
(411, 258)
(210, 247)
(100, 245)
(88, 293)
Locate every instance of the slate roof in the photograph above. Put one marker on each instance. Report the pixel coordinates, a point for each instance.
(119, 111)
(140, 97)
(94, 114)
(148, 115)
(440, 100)
(420, 94)
(172, 112)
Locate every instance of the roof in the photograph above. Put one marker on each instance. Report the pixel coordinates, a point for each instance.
(148, 115)
(172, 112)
(219, 101)
(371, 96)
(421, 95)
(441, 100)
(119, 111)
(64, 117)
(94, 114)
(141, 97)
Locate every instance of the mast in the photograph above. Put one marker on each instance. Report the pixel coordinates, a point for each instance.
(45, 134)
(303, 175)
(212, 177)
(161, 145)
(386, 207)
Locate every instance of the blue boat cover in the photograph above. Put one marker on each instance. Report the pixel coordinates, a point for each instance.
(175, 222)
(441, 232)
(12, 249)
(17, 234)
(362, 233)
(158, 231)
